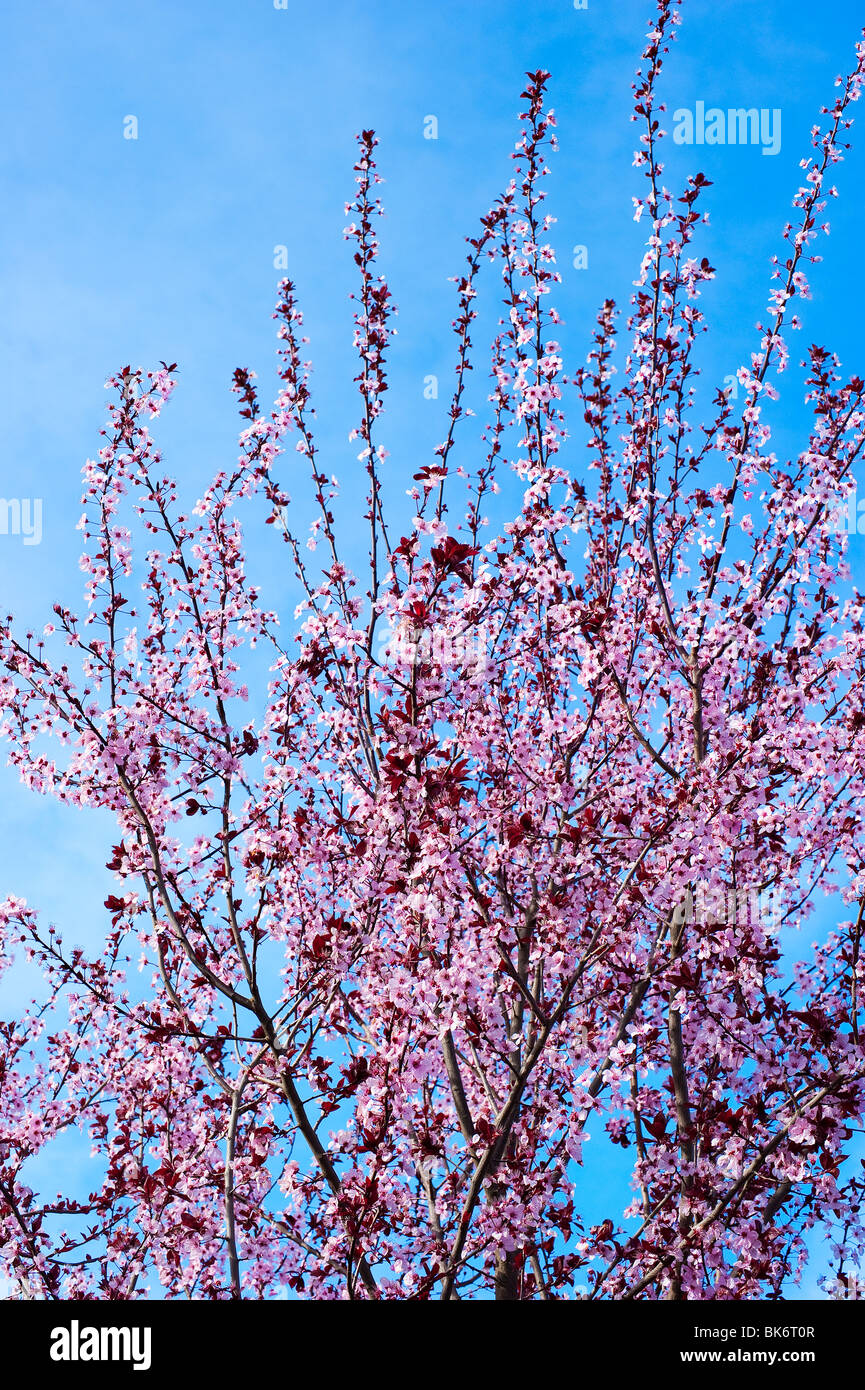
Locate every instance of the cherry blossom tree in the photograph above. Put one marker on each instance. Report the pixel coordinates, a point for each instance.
(481, 862)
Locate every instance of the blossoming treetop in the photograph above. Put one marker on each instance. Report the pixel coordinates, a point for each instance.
(413, 921)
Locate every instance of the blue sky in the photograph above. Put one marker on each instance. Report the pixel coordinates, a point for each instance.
(116, 251)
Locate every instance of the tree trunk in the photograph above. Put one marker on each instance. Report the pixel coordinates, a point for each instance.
(507, 1285)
